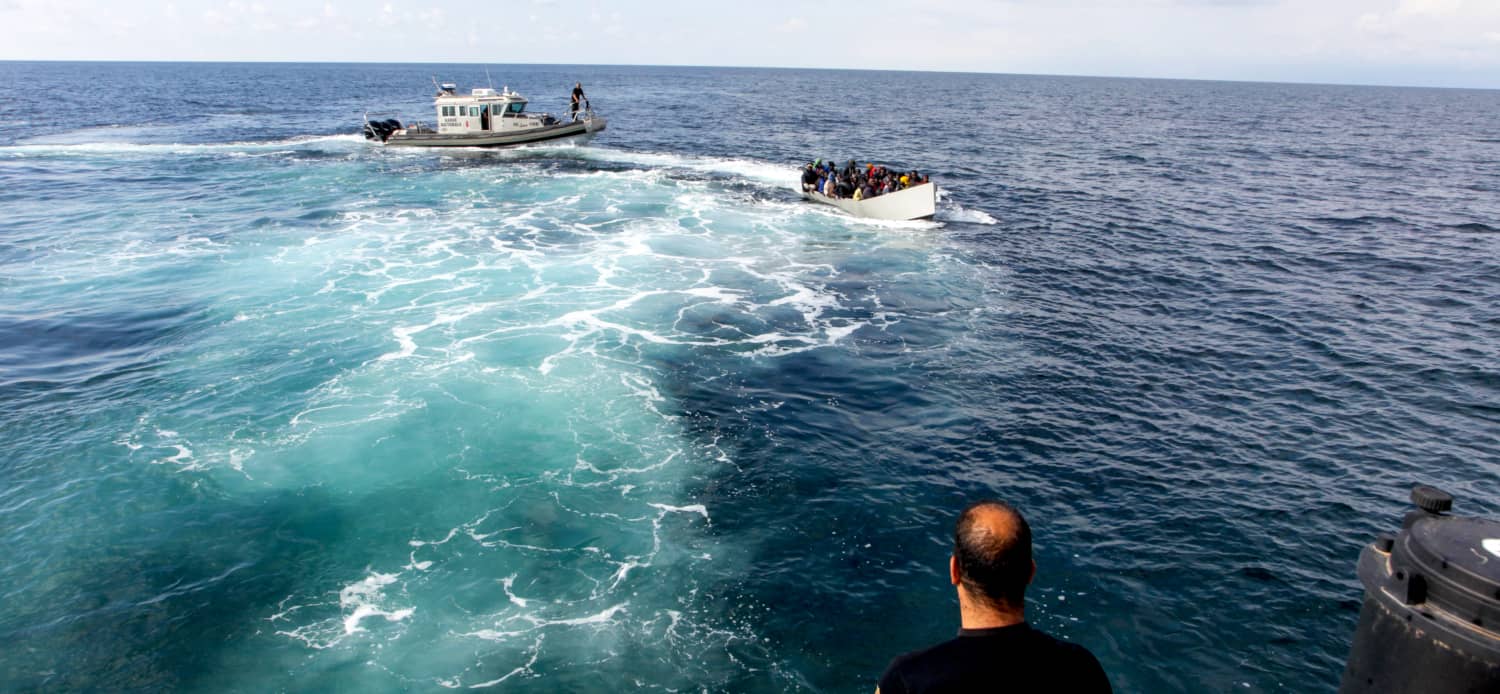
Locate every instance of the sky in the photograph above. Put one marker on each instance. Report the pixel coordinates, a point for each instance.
(1452, 43)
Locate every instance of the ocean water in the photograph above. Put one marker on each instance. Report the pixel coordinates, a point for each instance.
(287, 411)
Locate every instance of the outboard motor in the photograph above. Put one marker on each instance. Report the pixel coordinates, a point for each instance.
(1431, 616)
(381, 129)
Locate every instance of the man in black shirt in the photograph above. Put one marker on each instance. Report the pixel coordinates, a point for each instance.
(578, 98)
(996, 650)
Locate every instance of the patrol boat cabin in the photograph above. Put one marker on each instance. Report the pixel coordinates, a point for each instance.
(484, 118)
(483, 110)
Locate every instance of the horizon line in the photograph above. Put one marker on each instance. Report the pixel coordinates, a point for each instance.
(467, 61)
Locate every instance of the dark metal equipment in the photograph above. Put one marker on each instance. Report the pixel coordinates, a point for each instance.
(1431, 616)
(381, 129)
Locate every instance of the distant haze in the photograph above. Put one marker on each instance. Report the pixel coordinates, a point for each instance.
(1407, 42)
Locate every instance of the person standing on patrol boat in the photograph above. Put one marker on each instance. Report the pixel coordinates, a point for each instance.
(996, 650)
(578, 98)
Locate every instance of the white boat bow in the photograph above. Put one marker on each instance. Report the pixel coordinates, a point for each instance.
(916, 202)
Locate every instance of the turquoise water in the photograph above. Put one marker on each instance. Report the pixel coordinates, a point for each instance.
(284, 410)
(407, 405)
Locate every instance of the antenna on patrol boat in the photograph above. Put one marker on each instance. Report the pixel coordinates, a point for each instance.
(488, 79)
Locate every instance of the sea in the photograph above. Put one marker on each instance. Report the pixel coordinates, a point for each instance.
(285, 410)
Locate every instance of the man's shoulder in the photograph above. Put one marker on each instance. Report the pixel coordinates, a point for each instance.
(911, 671)
(1027, 641)
(1063, 654)
(1025, 659)
(1042, 637)
(941, 650)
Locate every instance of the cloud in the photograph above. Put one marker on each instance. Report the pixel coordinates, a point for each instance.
(1373, 24)
(1455, 32)
(1430, 7)
(795, 25)
(434, 18)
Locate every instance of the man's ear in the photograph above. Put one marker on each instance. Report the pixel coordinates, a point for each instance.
(1033, 573)
(953, 575)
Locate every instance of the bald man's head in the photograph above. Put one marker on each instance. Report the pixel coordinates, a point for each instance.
(992, 547)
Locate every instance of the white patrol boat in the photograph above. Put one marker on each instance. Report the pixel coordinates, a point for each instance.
(483, 118)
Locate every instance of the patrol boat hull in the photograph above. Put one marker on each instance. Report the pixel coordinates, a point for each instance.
(916, 202)
(578, 132)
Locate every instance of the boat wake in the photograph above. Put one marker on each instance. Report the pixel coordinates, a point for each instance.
(50, 146)
(954, 212)
(780, 178)
(492, 356)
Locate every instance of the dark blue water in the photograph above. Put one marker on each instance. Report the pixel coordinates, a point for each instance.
(287, 411)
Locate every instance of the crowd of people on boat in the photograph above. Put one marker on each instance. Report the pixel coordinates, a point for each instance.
(856, 182)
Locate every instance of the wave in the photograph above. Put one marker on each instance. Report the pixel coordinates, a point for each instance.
(753, 170)
(303, 141)
(1362, 220)
(959, 213)
(950, 211)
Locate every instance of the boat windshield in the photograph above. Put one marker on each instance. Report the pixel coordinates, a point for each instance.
(517, 106)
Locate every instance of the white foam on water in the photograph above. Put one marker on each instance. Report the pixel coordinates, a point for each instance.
(837, 333)
(360, 601)
(610, 477)
(509, 329)
(446, 538)
(536, 652)
(957, 213)
(32, 148)
(530, 623)
(699, 509)
(498, 634)
(351, 623)
(951, 211)
(165, 447)
(345, 410)
(237, 458)
(782, 175)
(509, 583)
(605, 616)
